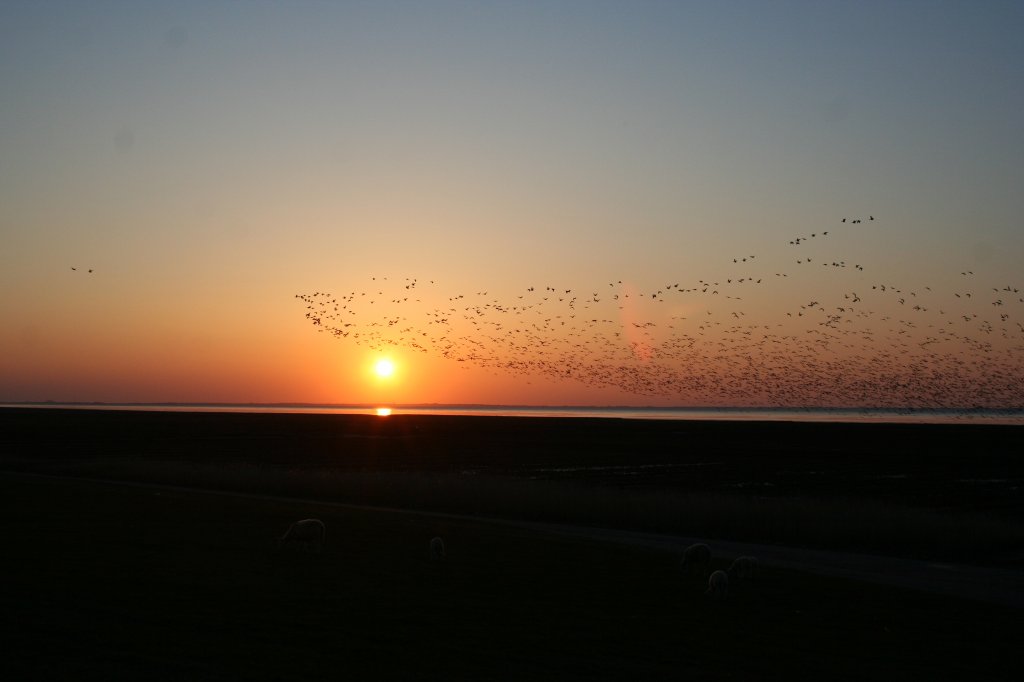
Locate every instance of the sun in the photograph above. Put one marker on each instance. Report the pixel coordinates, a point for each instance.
(384, 368)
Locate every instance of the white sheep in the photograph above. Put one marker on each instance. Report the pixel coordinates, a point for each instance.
(718, 585)
(696, 558)
(437, 549)
(307, 534)
(743, 568)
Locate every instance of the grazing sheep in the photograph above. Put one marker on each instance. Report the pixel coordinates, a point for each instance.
(307, 534)
(743, 568)
(718, 585)
(696, 559)
(437, 549)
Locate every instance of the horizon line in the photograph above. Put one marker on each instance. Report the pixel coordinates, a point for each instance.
(484, 406)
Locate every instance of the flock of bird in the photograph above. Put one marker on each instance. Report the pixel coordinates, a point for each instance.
(754, 335)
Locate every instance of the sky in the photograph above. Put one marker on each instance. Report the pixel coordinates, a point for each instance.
(535, 203)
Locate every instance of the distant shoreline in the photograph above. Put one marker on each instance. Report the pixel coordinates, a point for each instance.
(1010, 416)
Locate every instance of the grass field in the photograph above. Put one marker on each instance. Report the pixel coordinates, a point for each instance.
(942, 492)
(839, 523)
(104, 581)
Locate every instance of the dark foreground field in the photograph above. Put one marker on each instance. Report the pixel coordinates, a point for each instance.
(109, 581)
(120, 581)
(957, 466)
(941, 492)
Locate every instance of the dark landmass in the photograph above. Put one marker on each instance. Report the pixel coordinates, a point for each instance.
(106, 581)
(961, 467)
(120, 582)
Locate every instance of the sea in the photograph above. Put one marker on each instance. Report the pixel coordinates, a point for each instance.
(803, 414)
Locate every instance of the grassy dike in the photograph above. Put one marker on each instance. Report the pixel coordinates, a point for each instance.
(115, 582)
(843, 523)
(943, 492)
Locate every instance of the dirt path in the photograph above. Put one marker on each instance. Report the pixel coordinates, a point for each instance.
(994, 585)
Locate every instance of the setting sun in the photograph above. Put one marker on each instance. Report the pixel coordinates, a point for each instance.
(384, 368)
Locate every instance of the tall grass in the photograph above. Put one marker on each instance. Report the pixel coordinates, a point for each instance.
(848, 524)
